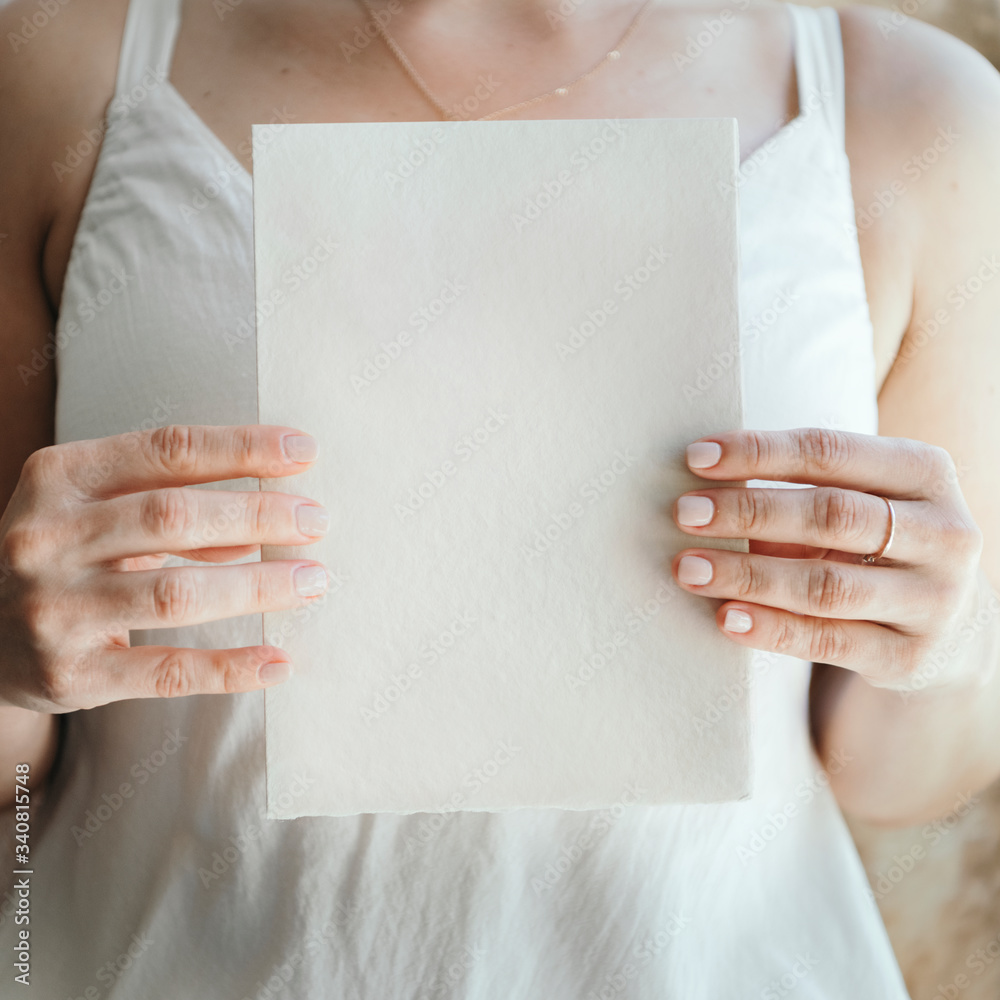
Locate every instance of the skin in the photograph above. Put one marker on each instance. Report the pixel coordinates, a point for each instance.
(88, 550)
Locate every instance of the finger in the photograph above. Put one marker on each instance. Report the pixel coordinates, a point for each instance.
(897, 467)
(881, 655)
(177, 519)
(220, 555)
(788, 551)
(181, 454)
(171, 672)
(823, 518)
(806, 586)
(191, 595)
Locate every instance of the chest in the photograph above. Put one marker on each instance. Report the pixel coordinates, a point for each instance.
(284, 63)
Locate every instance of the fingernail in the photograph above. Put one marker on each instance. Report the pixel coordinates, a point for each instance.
(694, 571)
(273, 673)
(312, 519)
(737, 621)
(299, 447)
(310, 581)
(694, 512)
(703, 454)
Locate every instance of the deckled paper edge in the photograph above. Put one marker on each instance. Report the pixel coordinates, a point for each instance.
(269, 812)
(749, 688)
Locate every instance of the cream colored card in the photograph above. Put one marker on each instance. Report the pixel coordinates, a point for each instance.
(488, 327)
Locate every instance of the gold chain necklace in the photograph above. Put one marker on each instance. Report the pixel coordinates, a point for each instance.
(449, 114)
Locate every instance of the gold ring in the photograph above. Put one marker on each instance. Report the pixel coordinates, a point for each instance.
(875, 556)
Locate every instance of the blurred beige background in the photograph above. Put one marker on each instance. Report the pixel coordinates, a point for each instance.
(938, 885)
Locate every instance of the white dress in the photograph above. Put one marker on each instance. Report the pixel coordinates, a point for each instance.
(156, 875)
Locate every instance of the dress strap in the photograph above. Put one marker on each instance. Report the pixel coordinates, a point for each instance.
(819, 65)
(147, 45)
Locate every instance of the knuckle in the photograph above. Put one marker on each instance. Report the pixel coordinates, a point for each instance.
(265, 592)
(899, 662)
(932, 466)
(839, 513)
(230, 677)
(831, 590)
(825, 450)
(754, 511)
(974, 541)
(173, 676)
(829, 643)
(964, 538)
(25, 546)
(748, 579)
(175, 597)
(244, 445)
(758, 449)
(169, 514)
(786, 636)
(40, 467)
(174, 447)
(40, 613)
(947, 593)
(260, 515)
(939, 463)
(56, 682)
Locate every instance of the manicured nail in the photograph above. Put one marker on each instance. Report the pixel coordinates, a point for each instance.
(695, 512)
(703, 454)
(312, 519)
(310, 581)
(737, 621)
(694, 571)
(299, 447)
(273, 673)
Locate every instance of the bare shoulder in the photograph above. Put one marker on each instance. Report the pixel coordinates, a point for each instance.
(908, 75)
(58, 60)
(923, 134)
(925, 52)
(57, 66)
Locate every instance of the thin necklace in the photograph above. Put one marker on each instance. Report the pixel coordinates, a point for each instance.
(448, 114)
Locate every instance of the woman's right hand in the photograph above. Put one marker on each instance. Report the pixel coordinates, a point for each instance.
(82, 546)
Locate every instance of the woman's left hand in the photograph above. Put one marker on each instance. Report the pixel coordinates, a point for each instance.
(903, 622)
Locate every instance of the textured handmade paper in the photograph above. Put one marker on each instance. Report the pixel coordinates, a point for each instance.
(496, 332)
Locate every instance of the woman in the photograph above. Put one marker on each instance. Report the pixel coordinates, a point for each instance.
(154, 873)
